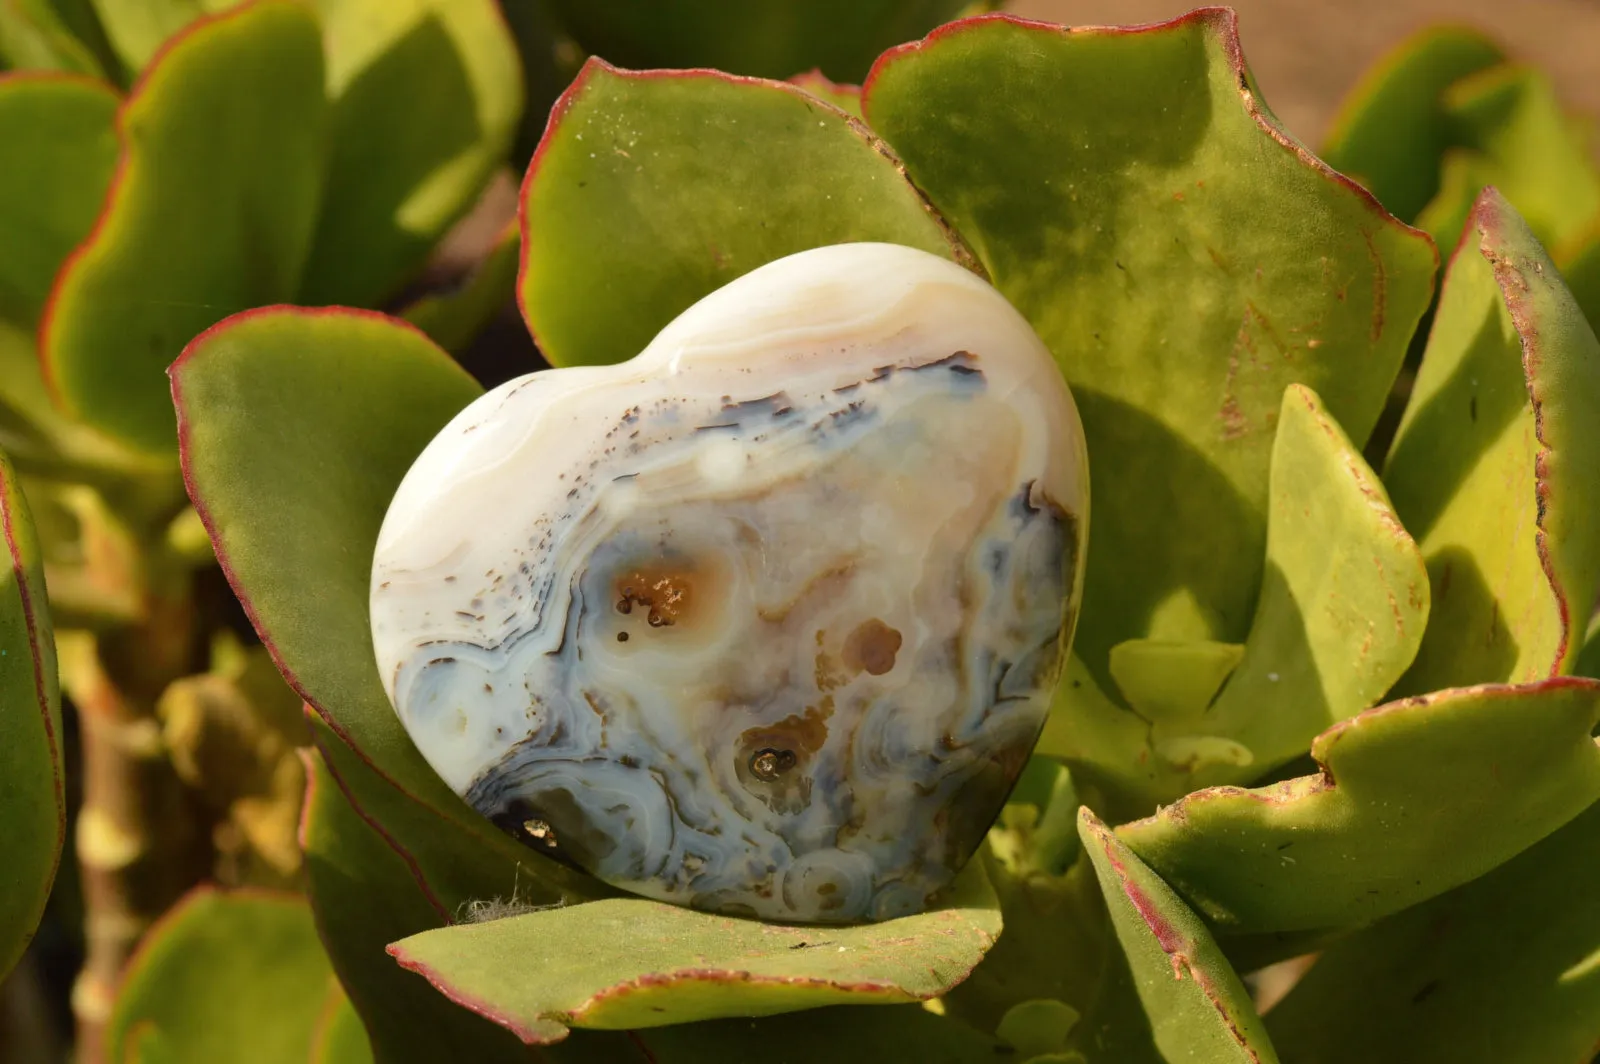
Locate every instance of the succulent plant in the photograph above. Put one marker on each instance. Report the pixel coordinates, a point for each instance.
(1326, 696)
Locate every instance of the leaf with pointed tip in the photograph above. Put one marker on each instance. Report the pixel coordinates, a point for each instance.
(1514, 135)
(1415, 797)
(364, 896)
(399, 174)
(1503, 970)
(1197, 1007)
(211, 212)
(32, 802)
(455, 318)
(629, 962)
(1184, 259)
(1496, 466)
(1392, 130)
(1343, 604)
(263, 400)
(204, 976)
(772, 40)
(1340, 615)
(651, 190)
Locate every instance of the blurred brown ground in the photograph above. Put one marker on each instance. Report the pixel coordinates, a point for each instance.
(1306, 54)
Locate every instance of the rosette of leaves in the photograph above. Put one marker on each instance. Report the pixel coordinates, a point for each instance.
(1311, 705)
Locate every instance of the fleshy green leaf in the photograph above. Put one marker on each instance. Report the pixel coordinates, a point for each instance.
(1515, 136)
(772, 40)
(1414, 797)
(295, 428)
(628, 962)
(365, 893)
(211, 212)
(1496, 466)
(1504, 970)
(651, 190)
(1343, 604)
(339, 1037)
(206, 977)
(425, 100)
(63, 151)
(455, 318)
(1341, 613)
(1197, 1007)
(33, 36)
(1392, 130)
(50, 195)
(1184, 259)
(32, 804)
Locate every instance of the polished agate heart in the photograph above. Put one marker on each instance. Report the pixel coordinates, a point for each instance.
(766, 620)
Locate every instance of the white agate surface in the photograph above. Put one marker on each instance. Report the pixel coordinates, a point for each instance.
(765, 620)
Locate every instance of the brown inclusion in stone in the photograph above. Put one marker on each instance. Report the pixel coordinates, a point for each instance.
(871, 648)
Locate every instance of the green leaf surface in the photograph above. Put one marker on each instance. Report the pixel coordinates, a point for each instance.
(32, 802)
(1414, 797)
(1184, 259)
(339, 1037)
(50, 195)
(1198, 1009)
(63, 150)
(296, 427)
(33, 36)
(628, 962)
(1343, 604)
(1172, 681)
(1342, 610)
(651, 190)
(773, 39)
(1392, 130)
(455, 318)
(425, 95)
(1504, 970)
(205, 977)
(364, 896)
(1495, 468)
(211, 212)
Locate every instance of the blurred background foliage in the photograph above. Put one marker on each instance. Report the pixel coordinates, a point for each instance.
(384, 139)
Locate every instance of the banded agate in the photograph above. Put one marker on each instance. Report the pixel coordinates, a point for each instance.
(767, 619)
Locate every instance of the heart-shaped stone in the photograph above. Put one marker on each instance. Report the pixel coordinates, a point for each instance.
(765, 620)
